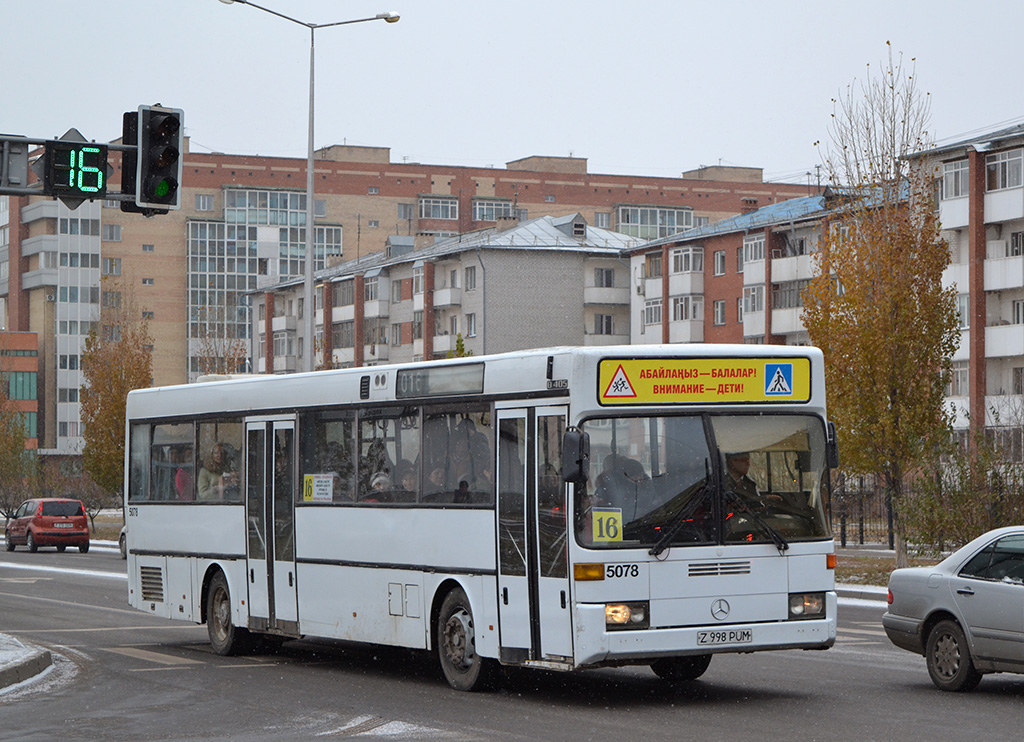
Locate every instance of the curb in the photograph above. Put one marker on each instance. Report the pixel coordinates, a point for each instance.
(873, 593)
(25, 669)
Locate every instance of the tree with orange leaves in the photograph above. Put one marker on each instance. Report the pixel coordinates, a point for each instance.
(876, 307)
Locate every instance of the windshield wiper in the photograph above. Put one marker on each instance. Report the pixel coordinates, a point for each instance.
(683, 518)
(780, 543)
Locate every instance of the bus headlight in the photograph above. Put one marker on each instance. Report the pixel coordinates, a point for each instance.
(806, 605)
(626, 616)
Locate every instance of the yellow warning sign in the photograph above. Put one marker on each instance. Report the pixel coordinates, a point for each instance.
(703, 380)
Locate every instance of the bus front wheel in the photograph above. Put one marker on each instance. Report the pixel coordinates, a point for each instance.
(456, 645)
(225, 638)
(681, 668)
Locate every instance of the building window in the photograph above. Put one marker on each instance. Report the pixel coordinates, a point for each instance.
(396, 334)
(753, 299)
(370, 289)
(147, 248)
(652, 312)
(739, 259)
(372, 191)
(603, 219)
(204, 202)
(417, 280)
(344, 293)
(652, 222)
(789, 295)
(343, 334)
(550, 198)
(319, 210)
(1003, 170)
(604, 278)
(739, 310)
(1018, 312)
(147, 315)
(396, 290)
(439, 208)
(147, 281)
(603, 324)
(373, 223)
(490, 211)
(963, 310)
(688, 260)
(719, 262)
(469, 280)
(753, 248)
(959, 380)
(453, 278)
(471, 325)
(1018, 379)
(111, 266)
(652, 265)
(686, 308)
(417, 325)
(718, 309)
(1015, 247)
(954, 179)
(406, 212)
(112, 232)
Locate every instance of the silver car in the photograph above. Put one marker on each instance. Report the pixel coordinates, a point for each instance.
(965, 614)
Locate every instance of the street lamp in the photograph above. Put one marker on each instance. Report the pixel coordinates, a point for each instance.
(307, 292)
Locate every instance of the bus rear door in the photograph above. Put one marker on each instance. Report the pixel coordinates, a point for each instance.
(270, 515)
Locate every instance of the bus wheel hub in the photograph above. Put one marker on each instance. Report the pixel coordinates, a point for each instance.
(458, 639)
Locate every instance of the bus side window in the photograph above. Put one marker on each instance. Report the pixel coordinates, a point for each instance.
(327, 447)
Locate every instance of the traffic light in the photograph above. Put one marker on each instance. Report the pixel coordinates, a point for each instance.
(74, 169)
(160, 141)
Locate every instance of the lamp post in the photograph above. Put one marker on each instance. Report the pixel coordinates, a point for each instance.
(307, 287)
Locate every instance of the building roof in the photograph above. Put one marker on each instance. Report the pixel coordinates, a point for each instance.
(784, 212)
(546, 233)
(981, 142)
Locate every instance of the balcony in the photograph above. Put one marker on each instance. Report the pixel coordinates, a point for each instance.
(377, 308)
(285, 323)
(444, 343)
(1004, 341)
(286, 364)
(753, 273)
(796, 268)
(39, 243)
(686, 331)
(786, 321)
(680, 284)
(958, 275)
(602, 340)
(1003, 205)
(375, 353)
(954, 213)
(447, 298)
(1004, 273)
(606, 295)
(753, 324)
(652, 287)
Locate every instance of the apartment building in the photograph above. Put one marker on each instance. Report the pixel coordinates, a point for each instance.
(981, 208)
(544, 282)
(738, 280)
(242, 227)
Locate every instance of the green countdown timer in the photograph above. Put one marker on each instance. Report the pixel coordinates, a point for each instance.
(76, 169)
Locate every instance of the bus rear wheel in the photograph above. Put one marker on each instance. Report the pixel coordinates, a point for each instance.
(463, 668)
(225, 638)
(681, 668)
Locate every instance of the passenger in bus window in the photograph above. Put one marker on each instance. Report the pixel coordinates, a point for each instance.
(217, 480)
(183, 480)
(406, 482)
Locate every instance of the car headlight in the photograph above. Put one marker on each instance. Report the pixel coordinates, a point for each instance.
(626, 616)
(806, 605)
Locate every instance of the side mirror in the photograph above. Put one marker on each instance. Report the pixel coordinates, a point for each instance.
(832, 447)
(575, 456)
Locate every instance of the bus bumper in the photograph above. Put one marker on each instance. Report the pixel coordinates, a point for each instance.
(596, 645)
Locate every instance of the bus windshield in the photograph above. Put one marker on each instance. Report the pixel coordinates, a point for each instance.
(703, 479)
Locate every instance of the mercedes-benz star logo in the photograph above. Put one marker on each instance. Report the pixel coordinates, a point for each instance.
(720, 609)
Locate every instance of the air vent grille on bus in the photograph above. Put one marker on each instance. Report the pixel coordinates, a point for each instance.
(714, 569)
(152, 579)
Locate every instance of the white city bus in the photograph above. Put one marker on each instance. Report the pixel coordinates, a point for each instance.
(562, 508)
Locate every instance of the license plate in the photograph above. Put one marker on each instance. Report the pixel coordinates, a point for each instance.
(63, 525)
(726, 636)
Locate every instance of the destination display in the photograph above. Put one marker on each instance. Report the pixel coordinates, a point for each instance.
(671, 381)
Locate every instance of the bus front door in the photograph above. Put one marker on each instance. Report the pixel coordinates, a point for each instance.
(533, 584)
(270, 515)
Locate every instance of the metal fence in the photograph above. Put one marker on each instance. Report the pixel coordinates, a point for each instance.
(859, 514)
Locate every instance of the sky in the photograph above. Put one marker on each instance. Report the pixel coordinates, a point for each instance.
(652, 88)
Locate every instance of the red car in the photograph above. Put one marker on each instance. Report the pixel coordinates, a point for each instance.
(49, 521)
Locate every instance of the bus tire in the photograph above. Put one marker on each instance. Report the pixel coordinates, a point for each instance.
(681, 668)
(225, 638)
(463, 668)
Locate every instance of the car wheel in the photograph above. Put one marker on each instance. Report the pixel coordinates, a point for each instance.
(949, 658)
(61, 548)
(8, 541)
(30, 542)
(225, 638)
(122, 544)
(84, 548)
(463, 668)
(681, 668)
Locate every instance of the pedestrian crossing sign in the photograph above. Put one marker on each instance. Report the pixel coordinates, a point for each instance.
(778, 379)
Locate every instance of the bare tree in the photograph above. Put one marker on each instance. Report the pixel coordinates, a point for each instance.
(877, 307)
